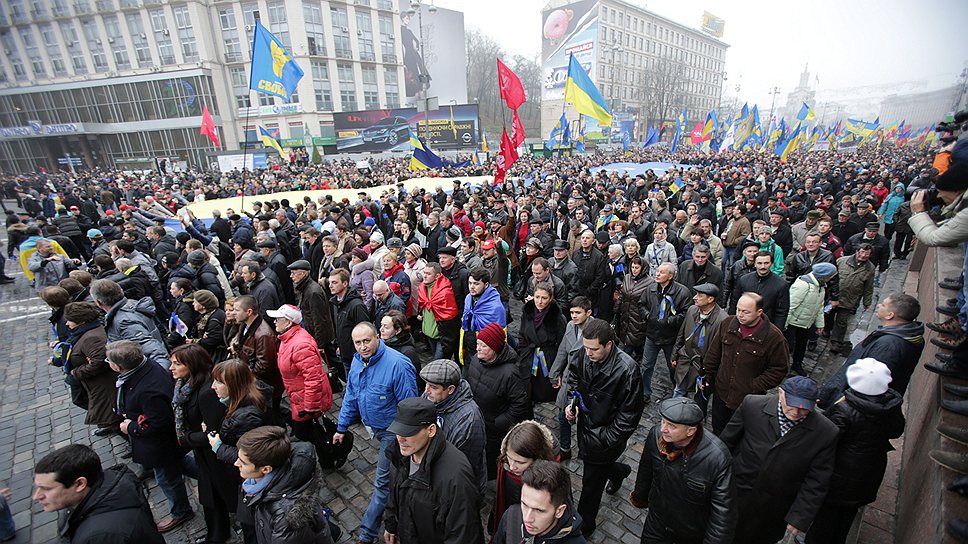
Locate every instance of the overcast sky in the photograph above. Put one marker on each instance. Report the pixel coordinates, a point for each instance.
(846, 42)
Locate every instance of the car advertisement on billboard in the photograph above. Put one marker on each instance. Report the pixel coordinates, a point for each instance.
(434, 58)
(572, 28)
(450, 127)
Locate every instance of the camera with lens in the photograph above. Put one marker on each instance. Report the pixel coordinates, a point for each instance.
(954, 126)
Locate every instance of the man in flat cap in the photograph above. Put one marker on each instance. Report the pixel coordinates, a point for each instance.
(458, 416)
(684, 479)
(701, 321)
(277, 262)
(317, 316)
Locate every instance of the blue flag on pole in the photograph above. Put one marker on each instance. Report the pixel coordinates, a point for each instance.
(626, 141)
(273, 69)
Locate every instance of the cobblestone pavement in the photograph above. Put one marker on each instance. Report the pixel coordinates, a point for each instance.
(36, 416)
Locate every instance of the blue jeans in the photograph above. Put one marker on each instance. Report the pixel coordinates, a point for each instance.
(635, 352)
(370, 524)
(171, 480)
(7, 528)
(564, 431)
(728, 254)
(436, 347)
(650, 356)
(963, 295)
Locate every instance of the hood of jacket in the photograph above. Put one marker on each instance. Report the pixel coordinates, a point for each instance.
(400, 340)
(874, 405)
(912, 332)
(461, 396)
(507, 355)
(143, 306)
(565, 530)
(300, 480)
(347, 298)
(118, 490)
(362, 266)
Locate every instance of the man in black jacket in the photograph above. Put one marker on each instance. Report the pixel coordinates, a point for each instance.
(348, 310)
(100, 505)
(144, 401)
(545, 515)
(773, 289)
(592, 267)
(663, 308)
(744, 265)
(606, 389)
(456, 272)
(314, 305)
(433, 492)
(264, 291)
(276, 262)
(680, 464)
(783, 457)
(221, 227)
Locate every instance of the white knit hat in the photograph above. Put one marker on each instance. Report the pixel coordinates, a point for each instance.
(868, 376)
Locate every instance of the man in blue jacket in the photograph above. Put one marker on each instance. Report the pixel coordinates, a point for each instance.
(379, 378)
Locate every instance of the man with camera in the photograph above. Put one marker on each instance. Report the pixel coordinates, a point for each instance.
(949, 188)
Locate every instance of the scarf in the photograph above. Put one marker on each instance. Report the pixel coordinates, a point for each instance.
(251, 486)
(119, 385)
(500, 498)
(539, 316)
(746, 332)
(671, 452)
(179, 399)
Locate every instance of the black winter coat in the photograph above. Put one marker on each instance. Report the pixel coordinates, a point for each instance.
(288, 510)
(612, 392)
(215, 478)
(439, 503)
(267, 293)
(663, 331)
(347, 314)
(145, 399)
(775, 293)
(690, 277)
(245, 418)
(187, 314)
(736, 271)
(317, 316)
(546, 339)
(116, 511)
(800, 263)
(458, 281)
(630, 325)
(691, 496)
(780, 480)
(501, 392)
(593, 272)
(867, 424)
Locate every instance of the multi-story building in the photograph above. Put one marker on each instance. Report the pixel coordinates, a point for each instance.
(123, 82)
(650, 66)
(801, 94)
(922, 109)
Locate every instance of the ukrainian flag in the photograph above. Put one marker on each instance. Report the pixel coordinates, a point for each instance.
(791, 144)
(423, 158)
(680, 129)
(274, 71)
(269, 140)
(580, 91)
(708, 128)
(806, 114)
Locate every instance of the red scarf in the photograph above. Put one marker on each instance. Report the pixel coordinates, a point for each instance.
(672, 455)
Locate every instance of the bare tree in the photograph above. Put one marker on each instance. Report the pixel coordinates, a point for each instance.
(663, 90)
(482, 54)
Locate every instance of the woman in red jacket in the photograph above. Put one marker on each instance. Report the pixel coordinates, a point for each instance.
(302, 371)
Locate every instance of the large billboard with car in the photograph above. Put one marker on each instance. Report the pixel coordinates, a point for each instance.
(449, 127)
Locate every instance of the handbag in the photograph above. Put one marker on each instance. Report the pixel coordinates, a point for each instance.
(328, 454)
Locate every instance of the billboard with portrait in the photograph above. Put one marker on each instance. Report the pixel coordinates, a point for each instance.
(450, 127)
(572, 28)
(434, 57)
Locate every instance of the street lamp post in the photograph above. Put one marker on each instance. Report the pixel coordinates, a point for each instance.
(416, 9)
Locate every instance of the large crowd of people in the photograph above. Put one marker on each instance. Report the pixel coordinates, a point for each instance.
(441, 319)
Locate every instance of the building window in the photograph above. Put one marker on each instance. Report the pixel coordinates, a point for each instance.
(250, 12)
(33, 52)
(315, 35)
(279, 23)
(240, 86)
(230, 35)
(94, 43)
(364, 31)
(341, 33)
(388, 45)
(136, 29)
(112, 26)
(347, 86)
(321, 86)
(183, 21)
(166, 52)
(371, 91)
(70, 41)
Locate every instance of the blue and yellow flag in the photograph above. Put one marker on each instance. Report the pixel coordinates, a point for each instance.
(273, 69)
(806, 114)
(580, 91)
(708, 130)
(270, 139)
(791, 144)
(680, 129)
(552, 141)
(744, 128)
(580, 140)
(423, 158)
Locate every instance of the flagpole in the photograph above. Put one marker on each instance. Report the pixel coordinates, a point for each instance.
(248, 111)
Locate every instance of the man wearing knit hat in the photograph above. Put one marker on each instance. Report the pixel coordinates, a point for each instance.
(807, 296)
(868, 416)
(500, 389)
(783, 457)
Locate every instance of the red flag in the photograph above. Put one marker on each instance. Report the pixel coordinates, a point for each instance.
(505, 157)
(517, 130)
(697, 133)
(511, 89)
(208, 127)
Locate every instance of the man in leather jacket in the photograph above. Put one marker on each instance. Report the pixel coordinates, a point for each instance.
(685, 480)
(606, 386)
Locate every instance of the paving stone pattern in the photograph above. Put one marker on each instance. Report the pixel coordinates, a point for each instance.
(36, 417)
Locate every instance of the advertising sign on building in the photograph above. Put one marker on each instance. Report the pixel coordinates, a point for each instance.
(572, 28)
(434, 58)
(228, 163)
(449, 127)
(713, 25)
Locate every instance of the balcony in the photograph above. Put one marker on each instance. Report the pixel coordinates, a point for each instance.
(361, 3)
(342, 53)
(234, 57)
(104, 5)
(82, 8)
(385, 5)
(367, 56)
(389, 58)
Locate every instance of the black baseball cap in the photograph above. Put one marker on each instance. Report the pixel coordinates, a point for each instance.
(413, 414)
